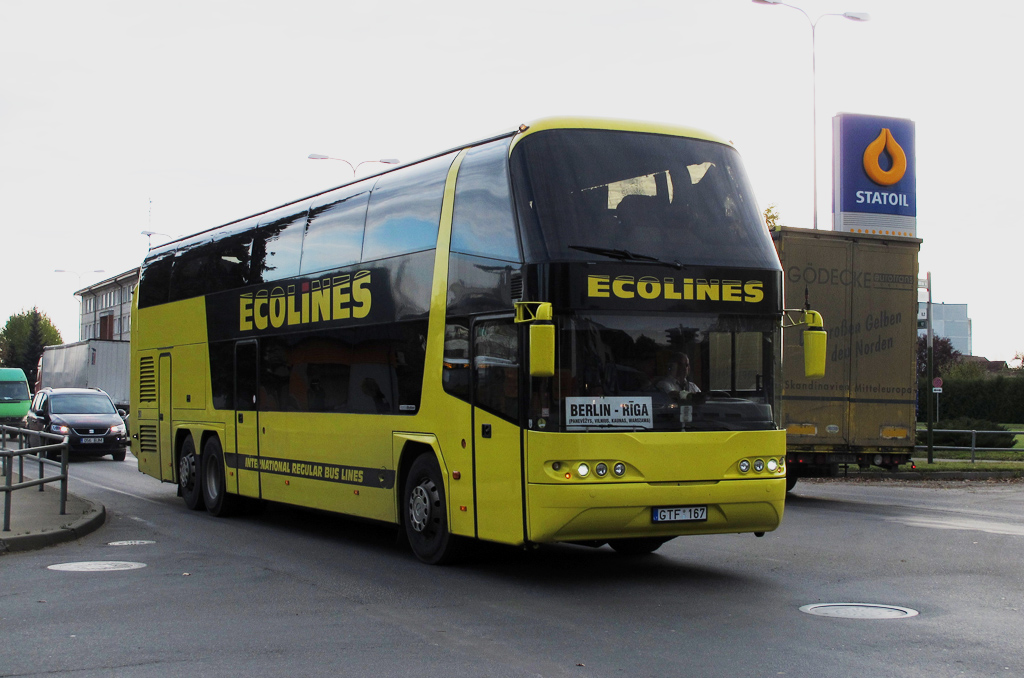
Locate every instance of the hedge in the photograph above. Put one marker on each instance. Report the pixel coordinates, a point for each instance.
(1000, 399)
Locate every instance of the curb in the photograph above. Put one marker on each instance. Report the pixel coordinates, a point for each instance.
(91, 521)
(929, 475)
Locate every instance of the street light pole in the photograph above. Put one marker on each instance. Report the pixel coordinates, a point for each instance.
(853, 16)
(319, 156)
(149, 237)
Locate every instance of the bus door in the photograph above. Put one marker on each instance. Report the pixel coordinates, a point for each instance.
(165, 437)
(496, 433)
(247, 449)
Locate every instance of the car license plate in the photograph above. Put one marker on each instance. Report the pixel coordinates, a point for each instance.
(678, 514)
(92, 440)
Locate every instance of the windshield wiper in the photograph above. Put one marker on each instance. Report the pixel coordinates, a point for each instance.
(623, 255)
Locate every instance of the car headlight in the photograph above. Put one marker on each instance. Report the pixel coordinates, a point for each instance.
(117, 430)
(60, 428)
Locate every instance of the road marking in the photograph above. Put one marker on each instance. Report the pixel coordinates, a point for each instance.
(961, 524)
(97, 566)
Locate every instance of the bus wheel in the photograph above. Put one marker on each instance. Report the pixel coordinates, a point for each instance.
(219, 502)
(188, 475)
(425, 512)
(640, 546)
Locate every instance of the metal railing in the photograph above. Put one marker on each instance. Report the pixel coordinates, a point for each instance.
(974, 442)
(39, 453)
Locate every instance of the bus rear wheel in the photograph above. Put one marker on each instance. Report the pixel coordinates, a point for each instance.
(425, 513)
(189, 482)
(219, 502)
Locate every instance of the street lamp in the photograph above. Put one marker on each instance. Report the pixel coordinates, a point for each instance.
(149, 237)
(78, 273)
(386, 161)
(852, 16)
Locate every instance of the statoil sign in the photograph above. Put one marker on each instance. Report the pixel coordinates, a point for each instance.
(875, 175)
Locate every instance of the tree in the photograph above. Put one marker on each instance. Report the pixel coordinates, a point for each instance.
(23, 338)
(945, 356)
(771, 217)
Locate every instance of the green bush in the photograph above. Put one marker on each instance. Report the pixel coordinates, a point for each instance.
(964, 439)
(998, 399)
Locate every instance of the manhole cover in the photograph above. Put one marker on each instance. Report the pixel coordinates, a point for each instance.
(859, 611)
(131, 542)
(96, 566)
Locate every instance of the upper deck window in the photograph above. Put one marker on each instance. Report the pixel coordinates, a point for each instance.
(405, 209)
(278, 246)
(673, 198)
(483, 223)
(334, 236)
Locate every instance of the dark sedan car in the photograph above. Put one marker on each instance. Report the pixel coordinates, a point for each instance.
(87, 416)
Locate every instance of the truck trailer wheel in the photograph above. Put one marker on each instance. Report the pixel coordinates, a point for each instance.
(790, 482)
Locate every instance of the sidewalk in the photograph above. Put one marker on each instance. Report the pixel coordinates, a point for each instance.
(36, 520)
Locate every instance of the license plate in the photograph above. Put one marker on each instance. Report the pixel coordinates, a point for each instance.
(678, 514)
(92, 440)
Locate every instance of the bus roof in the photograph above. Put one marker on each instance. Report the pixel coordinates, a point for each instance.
(524, 130)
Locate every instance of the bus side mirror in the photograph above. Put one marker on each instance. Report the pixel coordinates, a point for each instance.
(542, 350)
(815, 346)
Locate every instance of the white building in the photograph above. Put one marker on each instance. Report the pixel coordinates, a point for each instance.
(106, 308)
(948, 320)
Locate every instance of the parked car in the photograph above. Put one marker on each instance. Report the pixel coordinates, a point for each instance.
(87, 416)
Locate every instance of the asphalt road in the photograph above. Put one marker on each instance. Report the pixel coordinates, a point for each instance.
(296, 593)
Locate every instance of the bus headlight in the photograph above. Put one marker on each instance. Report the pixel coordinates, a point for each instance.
(744, 466)
(583, 470)
(601, 470)
(773, 465)
(759, 465)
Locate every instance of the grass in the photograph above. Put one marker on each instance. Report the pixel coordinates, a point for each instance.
(960, 466)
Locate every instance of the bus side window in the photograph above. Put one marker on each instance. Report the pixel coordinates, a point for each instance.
(483, 223)
(155, 281)
(334, 235)
(405, 209)
(278, 246)
(496, 367)
(455, 374)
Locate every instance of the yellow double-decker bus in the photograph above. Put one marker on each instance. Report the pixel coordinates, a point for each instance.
(567, 333)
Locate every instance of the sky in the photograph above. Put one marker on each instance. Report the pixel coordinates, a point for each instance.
(118, 117)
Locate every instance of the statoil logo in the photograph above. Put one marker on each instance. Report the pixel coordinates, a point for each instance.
(885, 142)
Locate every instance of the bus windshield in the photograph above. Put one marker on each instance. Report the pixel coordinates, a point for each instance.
(660, 373)
(631, 196)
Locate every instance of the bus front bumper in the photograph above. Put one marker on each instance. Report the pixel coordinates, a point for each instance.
(602, 511)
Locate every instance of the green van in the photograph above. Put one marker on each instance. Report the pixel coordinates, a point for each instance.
(14, 397)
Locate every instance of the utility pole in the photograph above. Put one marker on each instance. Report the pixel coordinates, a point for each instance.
(931, 374)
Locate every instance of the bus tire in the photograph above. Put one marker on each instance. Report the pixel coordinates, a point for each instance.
(638, 546)
(425, 513)
(189, 477)
(219, 502)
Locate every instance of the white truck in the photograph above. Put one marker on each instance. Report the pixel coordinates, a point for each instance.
(94, 363)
